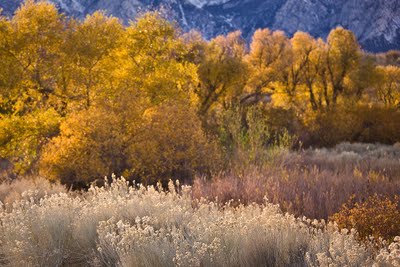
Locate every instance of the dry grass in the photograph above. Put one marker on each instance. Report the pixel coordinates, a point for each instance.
(227, 221)
(12, 191)
(344, 158)
(312, 183)
(123, 226)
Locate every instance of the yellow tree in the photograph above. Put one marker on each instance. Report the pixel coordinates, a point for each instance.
(270, 54)
(9, 68)
(308, 63)
(222, 72)
(86, 53)
(388, 89)
(38, 31)
(152, 61)
(145, 70)
(342, 58)
(298, 61)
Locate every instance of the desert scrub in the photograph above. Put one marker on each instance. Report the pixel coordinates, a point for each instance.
(119, 225)
(377, 217)
(12, 191)
(302, 191)
(380, 159)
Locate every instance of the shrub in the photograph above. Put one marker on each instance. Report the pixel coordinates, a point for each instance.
(13, 191)
(140, 226)
(302, 191)
(167, 141)
(171, 144)
(252, 135)
(377, 216)
(354, 123)
(22, 138)
(90, 146)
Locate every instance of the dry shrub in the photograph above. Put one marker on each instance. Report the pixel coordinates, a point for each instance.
(13, 191)
(301, 191)
(377, 216)
(373, 159)
(140, 226)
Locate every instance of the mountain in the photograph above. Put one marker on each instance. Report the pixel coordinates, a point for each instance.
(375, 22)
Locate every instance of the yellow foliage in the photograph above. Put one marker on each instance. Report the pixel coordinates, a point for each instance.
(132, 97)
(171, 144)
(388, 89)
(89, 147)
(22, 137)
(222, 72)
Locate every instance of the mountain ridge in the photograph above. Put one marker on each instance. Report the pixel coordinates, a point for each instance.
(376, 23)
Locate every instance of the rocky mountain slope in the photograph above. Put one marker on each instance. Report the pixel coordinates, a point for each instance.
(375, 22)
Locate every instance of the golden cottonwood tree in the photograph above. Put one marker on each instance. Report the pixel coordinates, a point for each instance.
(145, 73)
(9, 68)
(88, 50)
(222, 72)
(38, 31)
(22, 138)
(90, 146)
(342, 58)
(388, 88)
(270, 54)
(155, 61)
(171, 144)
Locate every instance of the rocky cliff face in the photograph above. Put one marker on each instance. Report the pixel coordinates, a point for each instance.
(375, 22)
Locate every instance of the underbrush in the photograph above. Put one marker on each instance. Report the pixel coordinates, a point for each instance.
(12, 191)
(120, 225)
(376, 218)
(274, 214)
(375, 159)
(313, 183)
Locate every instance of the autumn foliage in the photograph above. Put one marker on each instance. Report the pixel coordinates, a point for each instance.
(82, 99)
(375, 217)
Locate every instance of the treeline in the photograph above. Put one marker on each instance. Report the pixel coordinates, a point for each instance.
(84, 99)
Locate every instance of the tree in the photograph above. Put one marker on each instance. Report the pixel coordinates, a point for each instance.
(270, 54)
(171, 144)
(342, 58)
(154, 61)
(222, 72)
(306, 66)
(22, 138)
(38, 31)
(87, 48)
(89, 147)
(388, 89)
(9, 69)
